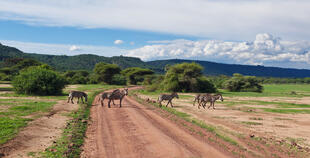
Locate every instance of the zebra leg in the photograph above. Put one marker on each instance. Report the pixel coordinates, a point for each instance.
(210, 105)
(195, 101)
(168, 103)
(160, 103)
(68, 99)
(82, 100)
(102, 102)
(204, 105)
(200, 104)
(72, 100)
(120, 103)
(171, 103)
(113, 102)
(109, 103)
(213, 105)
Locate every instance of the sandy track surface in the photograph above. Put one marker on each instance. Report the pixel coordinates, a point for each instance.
(137, 131)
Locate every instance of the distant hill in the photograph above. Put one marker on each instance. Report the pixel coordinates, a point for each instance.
(88, 61)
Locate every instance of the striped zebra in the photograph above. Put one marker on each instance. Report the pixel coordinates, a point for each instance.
(168, 97)
(199, 97)
(118, 95)
(77, 94)
(106, 95)
(211, 99)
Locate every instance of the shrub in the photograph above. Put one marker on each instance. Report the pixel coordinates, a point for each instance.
(239, 83)
(38, 81)
(119, 80)
(153, 82)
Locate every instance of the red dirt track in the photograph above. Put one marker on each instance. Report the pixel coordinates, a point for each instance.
(136, 131)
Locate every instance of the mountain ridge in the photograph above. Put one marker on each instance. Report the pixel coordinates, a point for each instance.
(88, 61)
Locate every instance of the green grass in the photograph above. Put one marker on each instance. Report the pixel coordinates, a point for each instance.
(69, 144)
(95, 87)
(11, 119)
(6, 89)
(251, 123)
(26, 108)
(256, 118)
(287, 111)
(272, 90)
(9, 127)
(258, 102)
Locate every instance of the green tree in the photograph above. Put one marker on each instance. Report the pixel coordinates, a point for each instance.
(136, 74)
(105, 72)
(13, 70)
(39, 81)
(77, 76)
(186, 77)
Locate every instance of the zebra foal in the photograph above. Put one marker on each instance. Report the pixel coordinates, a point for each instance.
(168, 97)
(77, 94)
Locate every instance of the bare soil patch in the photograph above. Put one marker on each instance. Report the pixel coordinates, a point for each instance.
(238, 123)
(40, 133)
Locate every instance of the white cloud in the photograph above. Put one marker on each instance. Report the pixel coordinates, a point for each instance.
(74, 48)
(118, 42)
(223, 19)
(264, 50)
(63, 49)
(132, 43)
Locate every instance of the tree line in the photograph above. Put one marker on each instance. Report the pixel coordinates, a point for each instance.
(32, 77)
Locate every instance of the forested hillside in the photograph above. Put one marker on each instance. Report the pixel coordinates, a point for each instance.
(88, 61)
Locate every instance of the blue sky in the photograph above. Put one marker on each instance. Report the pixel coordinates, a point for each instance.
(256, 32)
(18, 31)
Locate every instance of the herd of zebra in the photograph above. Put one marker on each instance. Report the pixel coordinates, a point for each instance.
(117, 94)
(202, 99)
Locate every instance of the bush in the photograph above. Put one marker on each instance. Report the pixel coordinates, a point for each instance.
(239, 83)
(77, 77)
(38, 81)
(153, 82)
(119, 80)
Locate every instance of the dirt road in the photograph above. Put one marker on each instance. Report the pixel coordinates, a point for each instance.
(137, 131)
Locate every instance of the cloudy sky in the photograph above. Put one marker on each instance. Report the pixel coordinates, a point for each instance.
(256, 32)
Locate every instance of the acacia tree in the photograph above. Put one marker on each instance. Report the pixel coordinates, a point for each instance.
(136, 74)
(105, 72)
(186, 77)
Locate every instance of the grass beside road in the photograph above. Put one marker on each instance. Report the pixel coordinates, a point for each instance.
(69, 144)
(274, 90)
(12, 118)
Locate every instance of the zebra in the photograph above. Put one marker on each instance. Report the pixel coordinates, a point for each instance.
(168, 97)
(199, 97)
(78, 95)
(106, 95)
(211, 99)
(118, 95)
